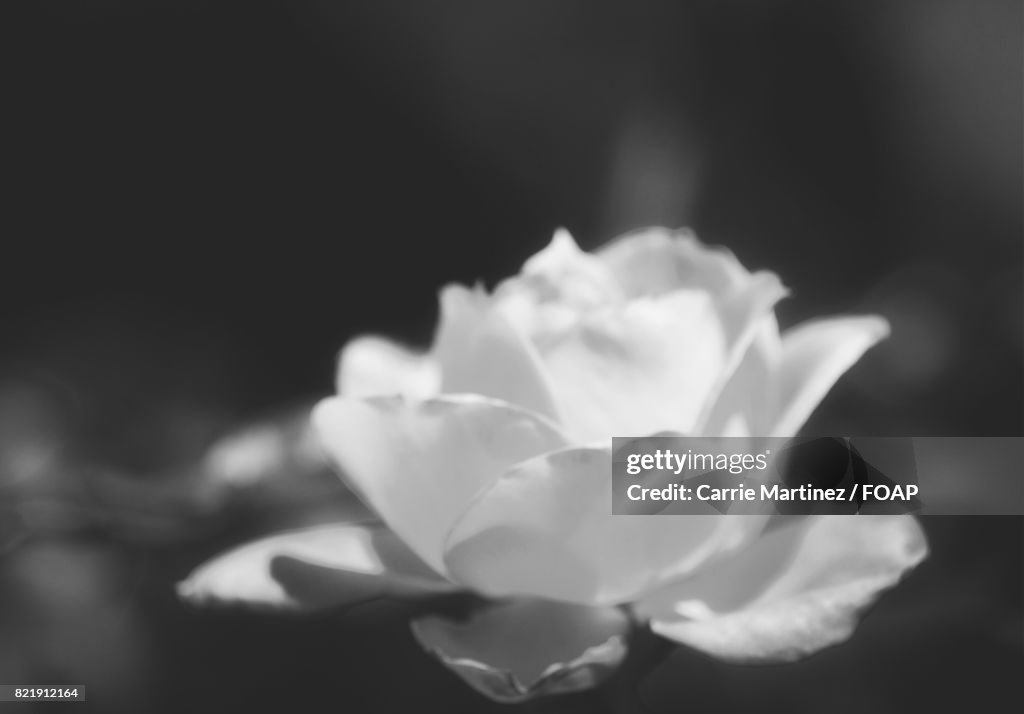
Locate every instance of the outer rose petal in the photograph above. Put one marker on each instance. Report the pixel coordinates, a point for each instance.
(515, 650)
(796, 590)
(370, 366)
(419, 464)
(655, 261)
(313, 568)
(480, 352)
(655, 364)
(814, 355)
(545, 529)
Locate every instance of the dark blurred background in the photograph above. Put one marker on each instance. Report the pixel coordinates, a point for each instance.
(205, 198)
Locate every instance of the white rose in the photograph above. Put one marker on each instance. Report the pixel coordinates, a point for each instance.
(488, 462)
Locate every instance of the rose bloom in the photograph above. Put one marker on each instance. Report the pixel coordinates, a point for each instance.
(488, 463)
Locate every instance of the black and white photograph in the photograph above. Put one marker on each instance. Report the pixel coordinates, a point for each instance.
(505, 357)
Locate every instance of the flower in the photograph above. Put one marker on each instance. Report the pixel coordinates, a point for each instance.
(488, 462)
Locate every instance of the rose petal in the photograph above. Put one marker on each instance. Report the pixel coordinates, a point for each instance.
(480, 352)
(796, 590)
(419, 464)
(655, 261)
(516, 650)
(545, 529)
(313, 568)
(371, 365)
(555, 287)
(655, 364)
(564, 272)
(814, 355)
(746, 406)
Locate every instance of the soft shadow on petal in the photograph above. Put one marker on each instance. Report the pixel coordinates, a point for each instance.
(654, 364)
(747, 404)
(371, 365)
(546, 529)
(815, 355)
(481, 352)
(313, 568)
(655, 261)
(419, 464)
(744, 315)
(515, 650)
(800, 588)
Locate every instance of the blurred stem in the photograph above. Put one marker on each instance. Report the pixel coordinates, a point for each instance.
(647, 651)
